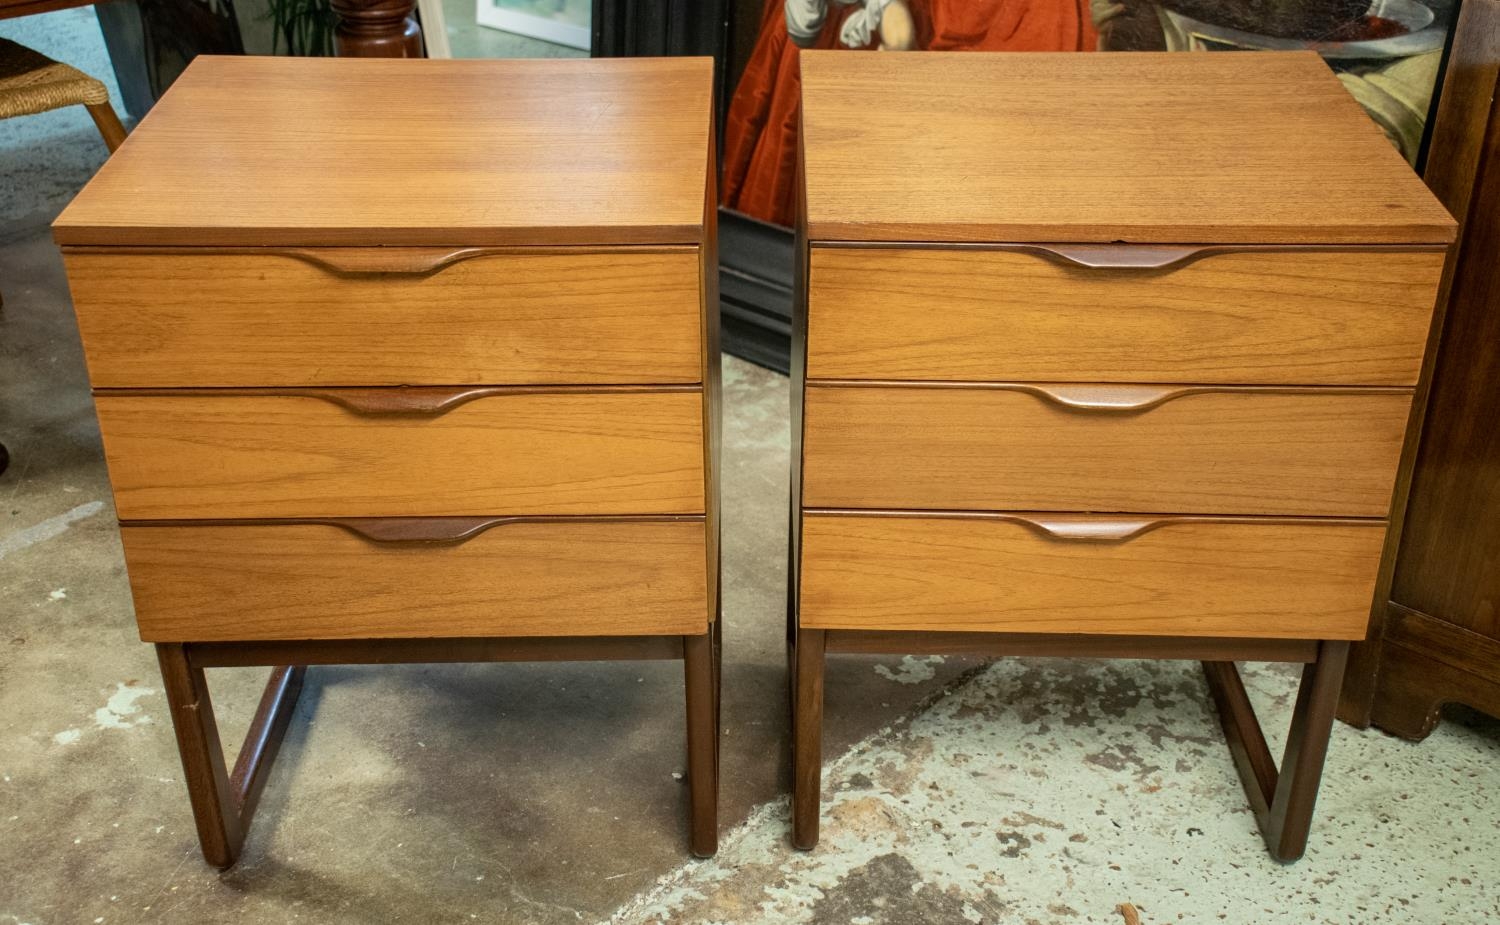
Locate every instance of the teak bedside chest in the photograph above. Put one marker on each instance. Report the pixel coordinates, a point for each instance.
(430, 380)
(1102, 355)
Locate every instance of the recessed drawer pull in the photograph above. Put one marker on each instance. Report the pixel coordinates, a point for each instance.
(417, 531)
(1118, 256)
(1091, 529)
(416, 400)
(412, 261)
(1087, 528)
(431, 401)
(404, 261)
(1107, 398)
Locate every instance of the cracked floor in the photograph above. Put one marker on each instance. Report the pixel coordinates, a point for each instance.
(1023, 791)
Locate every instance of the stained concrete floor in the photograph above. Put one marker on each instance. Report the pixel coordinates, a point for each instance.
(1020, 792)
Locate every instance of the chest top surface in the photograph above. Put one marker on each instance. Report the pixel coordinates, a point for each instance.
(1249, 148)
(318, 151)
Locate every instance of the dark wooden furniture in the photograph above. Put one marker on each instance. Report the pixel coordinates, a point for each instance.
(1123, 379)
(13, 8)
(376, 29)
(446, 391)
(1435, 628)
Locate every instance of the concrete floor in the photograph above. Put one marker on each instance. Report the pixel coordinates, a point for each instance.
(1022, 792)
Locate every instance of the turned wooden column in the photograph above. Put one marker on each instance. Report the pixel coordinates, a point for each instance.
(376, 29)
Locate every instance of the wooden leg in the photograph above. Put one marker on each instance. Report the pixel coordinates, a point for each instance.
(700, 676)
(108, 124)
(807, 736)
(223, 803)
(1283, 799)
(214, 810)
(376, 29)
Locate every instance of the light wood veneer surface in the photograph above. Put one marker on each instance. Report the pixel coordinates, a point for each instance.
(1132, 147)
(1310, 452)
(1342, 317)
(1185, 578)
(565, 452)
(317, 581)
(250, 319)
(330, 151)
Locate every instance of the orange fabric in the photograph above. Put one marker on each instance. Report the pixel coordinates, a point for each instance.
(760, 131)
(1004, 25)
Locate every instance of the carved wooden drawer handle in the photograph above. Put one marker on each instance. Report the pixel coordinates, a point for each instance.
(419, 531)
(403, 261)
(1132, 399)
(410, 400)
(1095, 528)
(1165, 256)
(451, 531)
(1107, 397)
(1120, 256)
(426, 401)
(1090, 529)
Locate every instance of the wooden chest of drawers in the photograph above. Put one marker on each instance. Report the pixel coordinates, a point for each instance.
(1115, 355)
(443, 369)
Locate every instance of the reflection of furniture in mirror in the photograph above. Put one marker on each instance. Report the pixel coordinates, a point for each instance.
(1435, 636)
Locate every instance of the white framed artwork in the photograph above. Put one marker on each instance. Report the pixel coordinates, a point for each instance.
(562, 22)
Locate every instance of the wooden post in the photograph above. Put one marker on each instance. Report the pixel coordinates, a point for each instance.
(376, 29)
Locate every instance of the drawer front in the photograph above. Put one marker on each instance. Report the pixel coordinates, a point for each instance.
(1185, 576)
(321, 581)
(236, 319)
(321, 453)
(1104, 448)
(1276, 317)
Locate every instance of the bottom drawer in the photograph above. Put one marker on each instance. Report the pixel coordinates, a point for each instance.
(1114, 575)
(508, 578)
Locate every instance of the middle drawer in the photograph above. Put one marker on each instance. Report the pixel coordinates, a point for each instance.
(403, 452)
(1147, 449)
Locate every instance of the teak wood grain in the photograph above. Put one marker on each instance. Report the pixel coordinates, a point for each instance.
(293, 152)
(254, 455)
(1186, 577)
(1137, 147)
(319, 581)
(1223, 451)
(268, 319)
(1283, 317)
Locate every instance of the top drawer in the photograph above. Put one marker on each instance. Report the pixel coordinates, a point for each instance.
(1272, 316)
(398, 316)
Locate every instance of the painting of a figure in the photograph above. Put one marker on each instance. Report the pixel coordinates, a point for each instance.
(1386, 52)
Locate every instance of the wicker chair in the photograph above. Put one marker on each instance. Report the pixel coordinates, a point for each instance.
(31, 82)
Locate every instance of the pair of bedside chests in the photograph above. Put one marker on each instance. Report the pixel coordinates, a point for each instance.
(417, 361)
